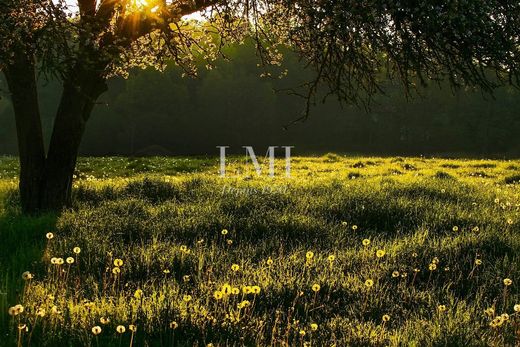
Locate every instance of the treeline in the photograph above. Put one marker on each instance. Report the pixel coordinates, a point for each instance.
(153, 113)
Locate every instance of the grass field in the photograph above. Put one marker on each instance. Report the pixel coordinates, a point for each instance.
(348, 251)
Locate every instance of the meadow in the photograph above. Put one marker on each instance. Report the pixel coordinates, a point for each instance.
(348, 251)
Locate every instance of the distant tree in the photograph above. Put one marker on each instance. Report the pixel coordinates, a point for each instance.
(350, 44)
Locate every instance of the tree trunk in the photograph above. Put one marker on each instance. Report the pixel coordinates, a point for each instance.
(79, 97)
(21, 79)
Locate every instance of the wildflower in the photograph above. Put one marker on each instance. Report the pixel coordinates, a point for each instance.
(507, 282)
(96, 330)
(395, 274)
(235, 291)
(186, 278)
(432, 267)
(309, 255)
(496, 322)
(316, 287)
(116, 271)
(380, 253)
(27, 275)
(22, 327)
(70, 260)
(12, 311)
(226, 289)
(218, 295)
(132, 328)
(235, 267)
(118, 262)
(478, 262)
(302, 333)
(505, 317)
(166, 271)
(40, 312)
(243, 304)
(354, 227)
(76, 250)
(497, 200)
(386, 318)
(54, 260)
(447, 268)
(247, 290)
(435, 260)
(120, 329)
(490, 311)
(184, 248)
(255, 289)
(455, 228)
(104, 320)
(186, 298)
(174, 325)
(54, 310)
(510, 221)
(224, 232)
(404, 274)
(229, 242)
(416, 270)
(138, 294)
(331, 258)
(415, 255)
(369, 283)
(344, 224)
(49, 236)
(366, 242)
(314, 326)
(269, 261)
(476, 229)
(441, 308)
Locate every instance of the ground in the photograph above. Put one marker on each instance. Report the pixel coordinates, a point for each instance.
(348, 251)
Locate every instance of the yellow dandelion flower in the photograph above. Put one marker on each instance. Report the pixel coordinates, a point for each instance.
(478, 262)
(247, 290)
(138, 294)
(455, 228)
(269, 261)
(435, 260)
(354, 227)
(432, 267)
(369, 283)
(441, 308)
(166, 271)
(224, 232)
(59, 261)
(183, 248)
(96, 330)
(40, 312)
(309, 255)
(395, 274)
(386, 318)
(49, 236)
(118, 262)
(366, 242)
(174, 325)
(70, 260)
(380, 253)
(27, 276)
(331, 258)
(302, 332)
(218, 295)
(120, 329)
(510, 221)
(12, 311)
(316, 287)
(476, 229)
(504, 316)
(226, 289)
(314, 326)
(516, 308)
(132, 328)
(255, 289)
(235, 291)
(235, 267)
(243, 304)
(186, 298)
(116, 271)
(344, 224)
(229, 242)
(508, 282)
(76, 250)
(490, 311)
(104, 320)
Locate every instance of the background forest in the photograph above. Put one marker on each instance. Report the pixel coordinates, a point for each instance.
(150, 113)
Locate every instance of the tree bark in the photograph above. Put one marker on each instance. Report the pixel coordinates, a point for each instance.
(77, 102)
(21, 79)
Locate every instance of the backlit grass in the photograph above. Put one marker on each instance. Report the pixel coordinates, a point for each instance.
(348, 251)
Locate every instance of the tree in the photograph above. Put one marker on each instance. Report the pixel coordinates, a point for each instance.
(350, 44)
